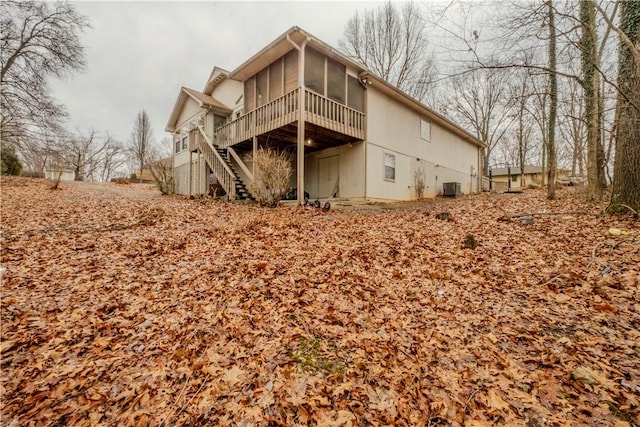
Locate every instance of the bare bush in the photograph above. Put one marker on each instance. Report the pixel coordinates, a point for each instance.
(162, 172)
(271, 176)
(418, 183)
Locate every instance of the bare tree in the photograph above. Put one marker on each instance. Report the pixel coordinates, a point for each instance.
(571, 127)
(553, 104)
(391, 41)
(161, 166)
(38, 40)
(140, 145)
(113, 159)
(93, 156)
(520, 93)
(480, 101)
(592, 105)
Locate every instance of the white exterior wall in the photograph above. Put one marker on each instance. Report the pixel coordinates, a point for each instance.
(190, 111)
(228, 92)
(351, 171)
(199, 177)
(395, 129)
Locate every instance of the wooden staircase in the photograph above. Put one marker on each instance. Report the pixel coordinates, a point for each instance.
(218, 161)
(242, 193)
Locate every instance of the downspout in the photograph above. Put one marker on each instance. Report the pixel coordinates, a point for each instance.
(363, 83)
(480, 173)
(301, 117)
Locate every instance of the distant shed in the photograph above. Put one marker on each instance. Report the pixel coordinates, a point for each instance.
(65, 174)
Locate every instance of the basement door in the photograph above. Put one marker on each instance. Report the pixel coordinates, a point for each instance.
(329, 177)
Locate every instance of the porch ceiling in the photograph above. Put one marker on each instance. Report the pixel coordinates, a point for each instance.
(316, 138)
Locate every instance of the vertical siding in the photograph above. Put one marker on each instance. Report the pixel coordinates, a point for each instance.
(199, 178)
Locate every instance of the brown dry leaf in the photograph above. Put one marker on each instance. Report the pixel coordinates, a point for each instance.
(123, 307)
(495, 401)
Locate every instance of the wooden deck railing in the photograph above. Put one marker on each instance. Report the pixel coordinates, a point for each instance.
(320, 110)
(332, 115)
(240, 162)
(223, 173)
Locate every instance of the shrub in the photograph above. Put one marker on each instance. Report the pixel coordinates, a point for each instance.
(272, 174)
(10, 162)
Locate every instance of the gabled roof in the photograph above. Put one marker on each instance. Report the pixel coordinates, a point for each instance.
(295, 35)
(217, 75)
(203, 100)
(281, 46)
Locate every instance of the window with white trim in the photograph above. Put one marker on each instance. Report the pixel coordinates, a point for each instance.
(389, 167)
(425, 129)
(184, 142)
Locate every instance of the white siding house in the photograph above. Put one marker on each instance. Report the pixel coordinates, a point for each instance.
(351, 134)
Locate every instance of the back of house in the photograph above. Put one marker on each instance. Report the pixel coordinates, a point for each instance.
(350, 133)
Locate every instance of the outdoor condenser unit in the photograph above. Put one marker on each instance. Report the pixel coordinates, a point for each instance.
(451, 189)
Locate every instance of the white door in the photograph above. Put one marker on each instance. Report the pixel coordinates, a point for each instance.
(329, 177)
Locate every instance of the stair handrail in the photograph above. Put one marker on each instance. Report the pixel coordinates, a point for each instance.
(240, 163)
(221, 170)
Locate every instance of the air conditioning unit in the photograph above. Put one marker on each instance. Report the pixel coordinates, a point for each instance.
(451, 189)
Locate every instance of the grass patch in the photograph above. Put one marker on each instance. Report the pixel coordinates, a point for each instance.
(315, 355)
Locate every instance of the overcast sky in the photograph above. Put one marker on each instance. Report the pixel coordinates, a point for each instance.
(139, 54)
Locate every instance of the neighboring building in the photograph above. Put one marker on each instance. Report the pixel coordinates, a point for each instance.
(352, 134)
(65, 174)
(502, 177)
(512, 178)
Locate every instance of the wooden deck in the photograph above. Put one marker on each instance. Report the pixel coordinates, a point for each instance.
(282, 111)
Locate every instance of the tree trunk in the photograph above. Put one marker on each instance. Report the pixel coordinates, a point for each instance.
(591, 88)
(553, 106)
(626, 177)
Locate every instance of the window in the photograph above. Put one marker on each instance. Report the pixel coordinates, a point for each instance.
(184, 142)
(177, 146)
(425, 129)
(218, 121)
(514, 178)
(389, 167)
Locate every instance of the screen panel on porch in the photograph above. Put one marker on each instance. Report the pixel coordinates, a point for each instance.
(262, 87)
(336, 81)
(275, 80)
(314, 71)
(355, 94)
(290, 71)
(249, 94)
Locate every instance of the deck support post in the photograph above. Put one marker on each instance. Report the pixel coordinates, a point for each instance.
(301, 121)
(255, 149)
(190, 169)
(301, 118)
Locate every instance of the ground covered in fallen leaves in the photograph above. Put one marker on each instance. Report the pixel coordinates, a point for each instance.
(123, 307)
